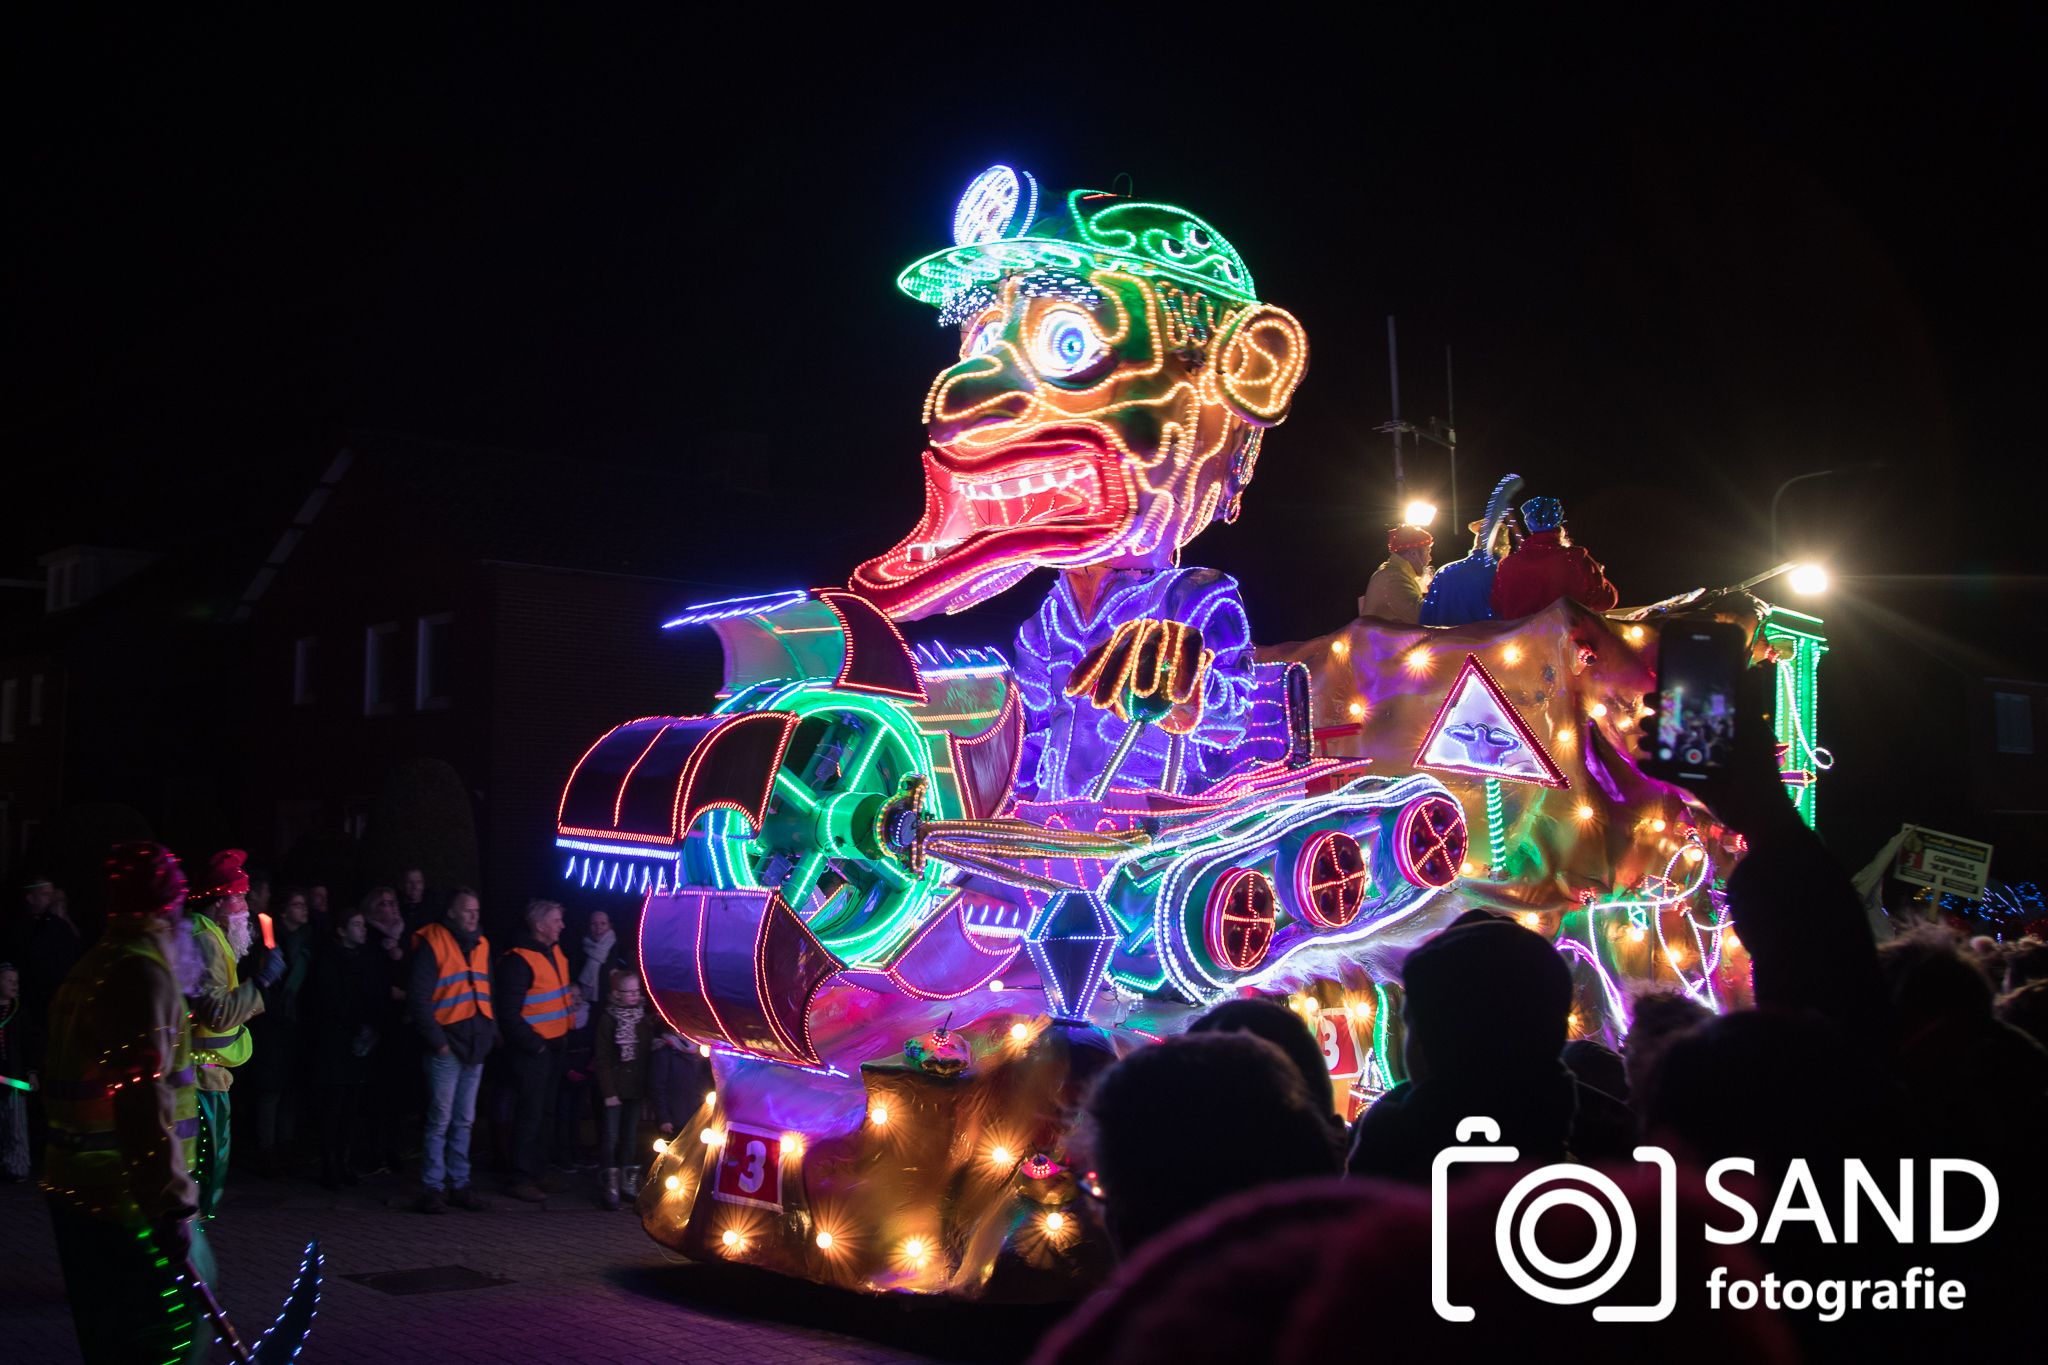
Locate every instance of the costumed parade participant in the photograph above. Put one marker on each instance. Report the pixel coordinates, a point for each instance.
(1397, 586)
(124, 1124)
(1461, 592)
(18, 1053)
(222, 1006)
(1547, 566)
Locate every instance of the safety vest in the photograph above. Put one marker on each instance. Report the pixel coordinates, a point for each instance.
(84, 1164)
(546, 1007)
(462, 988)
(233, 1047)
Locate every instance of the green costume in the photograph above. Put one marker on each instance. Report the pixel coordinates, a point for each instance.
(221, 1010)
(124, 1128)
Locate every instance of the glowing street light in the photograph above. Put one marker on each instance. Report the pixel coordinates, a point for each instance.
(1419, 513)
(1808, 580)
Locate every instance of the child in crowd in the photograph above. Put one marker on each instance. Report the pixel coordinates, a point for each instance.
(623, 1037)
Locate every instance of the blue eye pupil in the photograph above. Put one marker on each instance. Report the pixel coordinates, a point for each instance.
(1070, 344)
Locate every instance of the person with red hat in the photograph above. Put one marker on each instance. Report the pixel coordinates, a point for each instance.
(1395, 592)
(222, 1006)
(124, 1124)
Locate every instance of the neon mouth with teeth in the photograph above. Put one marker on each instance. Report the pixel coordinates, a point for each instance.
(991, 515)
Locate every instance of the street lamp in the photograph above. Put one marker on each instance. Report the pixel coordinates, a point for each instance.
(1419, 513)
(1808, 580)
(1802, 478)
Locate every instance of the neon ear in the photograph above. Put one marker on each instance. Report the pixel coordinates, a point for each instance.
(1262, 356)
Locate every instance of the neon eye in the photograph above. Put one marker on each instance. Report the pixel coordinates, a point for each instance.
(1067, 343)
(985, 338)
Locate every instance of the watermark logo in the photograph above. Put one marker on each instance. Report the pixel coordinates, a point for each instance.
(1556, 1186)
(1952, 1216)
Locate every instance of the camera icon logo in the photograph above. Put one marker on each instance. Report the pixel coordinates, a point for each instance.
(1560, 1185)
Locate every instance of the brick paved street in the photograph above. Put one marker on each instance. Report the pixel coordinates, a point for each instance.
(584, 1285)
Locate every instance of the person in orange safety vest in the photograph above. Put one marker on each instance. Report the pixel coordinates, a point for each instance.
(535, 999)
(456, 1017)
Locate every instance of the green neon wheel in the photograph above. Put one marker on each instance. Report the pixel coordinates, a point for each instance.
(848, 756)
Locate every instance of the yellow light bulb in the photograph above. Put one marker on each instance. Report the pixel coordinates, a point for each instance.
(1465, 869)
(1583, 811)
(731, 1238)
(709, 1136)
(1019, 1032)
(1565, 734)
(1659, 826)
(1635, 635)
(1055, 1221)
(660, 1147)
(1597, 710)
(1001, 1157)
(915, 1250)
(792, 1143)
(1357, 710)
(1418, 659)
(711, 1097)
(824, 1241)
(672, 1184)
(996, 984)
(879, 1116)
(1511, 654)
(703, 1049)
(1340, 647)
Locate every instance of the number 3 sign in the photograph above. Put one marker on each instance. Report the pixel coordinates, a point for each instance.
(1340, 1049)
(750, 1168)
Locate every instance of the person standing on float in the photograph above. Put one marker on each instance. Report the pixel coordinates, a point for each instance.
(222, 1007)
(124, 1124)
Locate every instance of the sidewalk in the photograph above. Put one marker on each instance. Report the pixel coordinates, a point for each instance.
(581, 1285)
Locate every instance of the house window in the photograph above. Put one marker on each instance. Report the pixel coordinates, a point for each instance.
(8, 692)
(302, 671)
(430, 674)
(380, 669)
(35, 699)
(2014, 716)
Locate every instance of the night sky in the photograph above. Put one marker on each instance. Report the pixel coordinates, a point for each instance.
(1676, 265)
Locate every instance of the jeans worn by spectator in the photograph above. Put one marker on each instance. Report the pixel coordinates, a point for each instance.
(451, 1110)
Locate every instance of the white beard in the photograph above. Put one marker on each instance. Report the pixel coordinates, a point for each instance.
(182, 953)
(238, 935)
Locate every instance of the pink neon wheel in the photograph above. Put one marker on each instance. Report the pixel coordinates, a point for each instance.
(1237, 924)
(1429, 841)
(1331, 879)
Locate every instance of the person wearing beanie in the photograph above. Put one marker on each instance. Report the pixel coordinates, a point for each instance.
(124, 1124)
(1487, 1006)
(1547, 566)
(222, 1006)
(1395, 592)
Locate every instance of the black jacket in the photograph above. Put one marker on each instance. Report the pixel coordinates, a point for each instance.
(348, 996)
(511, 979)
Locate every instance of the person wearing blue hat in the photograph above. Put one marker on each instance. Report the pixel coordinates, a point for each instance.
(1462, 591)
(1547, 566)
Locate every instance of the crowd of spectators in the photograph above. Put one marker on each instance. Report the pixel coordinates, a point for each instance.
(367, 1061)
(1248, 1231)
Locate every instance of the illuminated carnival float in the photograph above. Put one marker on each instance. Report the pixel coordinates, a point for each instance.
(910, 898)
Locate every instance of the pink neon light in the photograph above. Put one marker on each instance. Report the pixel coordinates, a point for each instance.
(1217, 918)
(1447, 842)
(619, 802)
(1553, 775)
(1348, 905)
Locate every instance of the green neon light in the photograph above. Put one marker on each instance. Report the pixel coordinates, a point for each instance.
(1496, 830)
(1800, 644)
(1138, 983)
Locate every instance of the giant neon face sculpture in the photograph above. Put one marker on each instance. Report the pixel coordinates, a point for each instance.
(1018, 862)
(1116, 372)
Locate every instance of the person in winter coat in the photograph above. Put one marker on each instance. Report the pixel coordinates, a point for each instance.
(346, 994)
(1547, 566)
(623, 1033)
(1395, 592)
(450, 993)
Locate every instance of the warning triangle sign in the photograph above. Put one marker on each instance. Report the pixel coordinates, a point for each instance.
(1478, 731)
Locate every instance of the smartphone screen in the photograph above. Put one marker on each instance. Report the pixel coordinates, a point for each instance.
(1697, 667)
